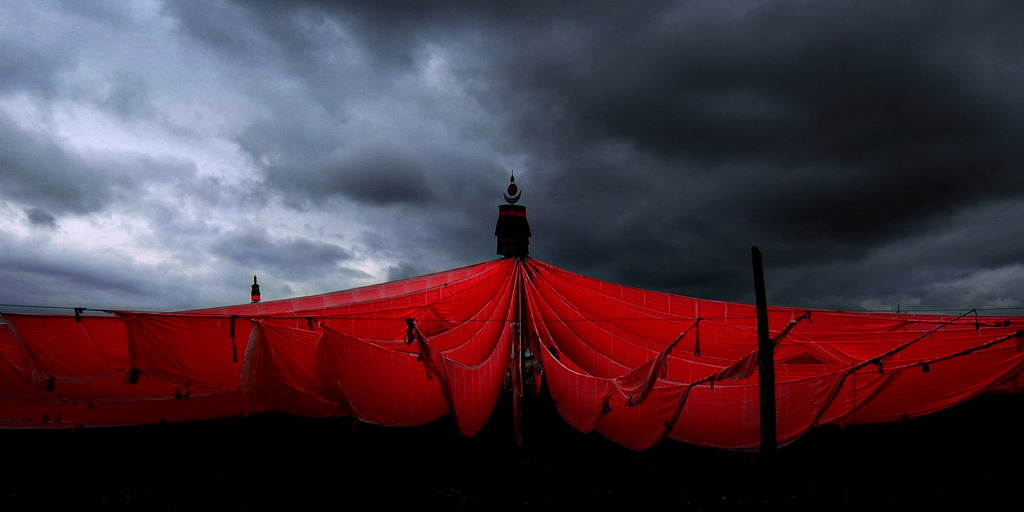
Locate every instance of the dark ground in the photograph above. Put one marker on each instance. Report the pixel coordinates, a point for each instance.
(968, 456)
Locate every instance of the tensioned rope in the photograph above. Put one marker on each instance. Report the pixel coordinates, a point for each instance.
(877, 360)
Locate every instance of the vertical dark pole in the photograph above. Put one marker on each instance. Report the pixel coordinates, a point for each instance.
(765, 361)
(517, 386)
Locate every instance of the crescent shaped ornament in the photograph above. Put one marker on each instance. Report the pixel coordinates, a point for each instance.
(513, 193)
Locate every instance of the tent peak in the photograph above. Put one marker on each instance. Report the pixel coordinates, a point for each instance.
(513, 193)
(512, 230)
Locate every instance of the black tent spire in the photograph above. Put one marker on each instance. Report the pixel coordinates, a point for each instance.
(513, 230)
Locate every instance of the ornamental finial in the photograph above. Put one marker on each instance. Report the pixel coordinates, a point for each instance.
(513, 193)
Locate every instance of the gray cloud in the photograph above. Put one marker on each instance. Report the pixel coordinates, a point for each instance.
(371, 179)
(289, 257)
(40, 218)
(38, 274)
(821, 134)
(43, 172)
(871, 149)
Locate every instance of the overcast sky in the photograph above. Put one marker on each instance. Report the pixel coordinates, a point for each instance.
(155, 155)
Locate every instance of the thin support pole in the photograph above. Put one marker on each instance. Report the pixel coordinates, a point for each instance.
(517, 384)
(765, 361)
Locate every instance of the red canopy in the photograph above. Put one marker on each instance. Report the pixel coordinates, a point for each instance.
(635, 365)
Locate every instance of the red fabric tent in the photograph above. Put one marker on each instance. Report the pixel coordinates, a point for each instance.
(635, 365)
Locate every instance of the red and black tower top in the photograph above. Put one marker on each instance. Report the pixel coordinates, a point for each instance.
(513, 230)
(255, 291)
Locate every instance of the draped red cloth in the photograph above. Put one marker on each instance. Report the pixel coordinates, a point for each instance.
(635, 365)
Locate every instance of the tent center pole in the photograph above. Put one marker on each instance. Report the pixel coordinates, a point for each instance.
(765, 362)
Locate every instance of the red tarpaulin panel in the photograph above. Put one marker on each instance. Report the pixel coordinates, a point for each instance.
(71, 348)
(635, 365)
(280, 373)
(382, 382)
(202, 352)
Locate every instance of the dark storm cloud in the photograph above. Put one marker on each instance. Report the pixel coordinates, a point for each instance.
(872, 102)
(384, 182)
(871, 149)
(28, 68)
(664, 141)
(821, 133)
(971, 259)
(291, 258)
(371, 179)
(57, 272)
(32, 61)
(404, 271)
(40, 218)
(224, 26)
(37, 275)
(42, 172)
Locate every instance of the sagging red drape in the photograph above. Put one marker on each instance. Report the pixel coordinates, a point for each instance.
(635, 365)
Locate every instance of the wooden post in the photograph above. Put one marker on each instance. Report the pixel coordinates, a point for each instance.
(765, 361)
